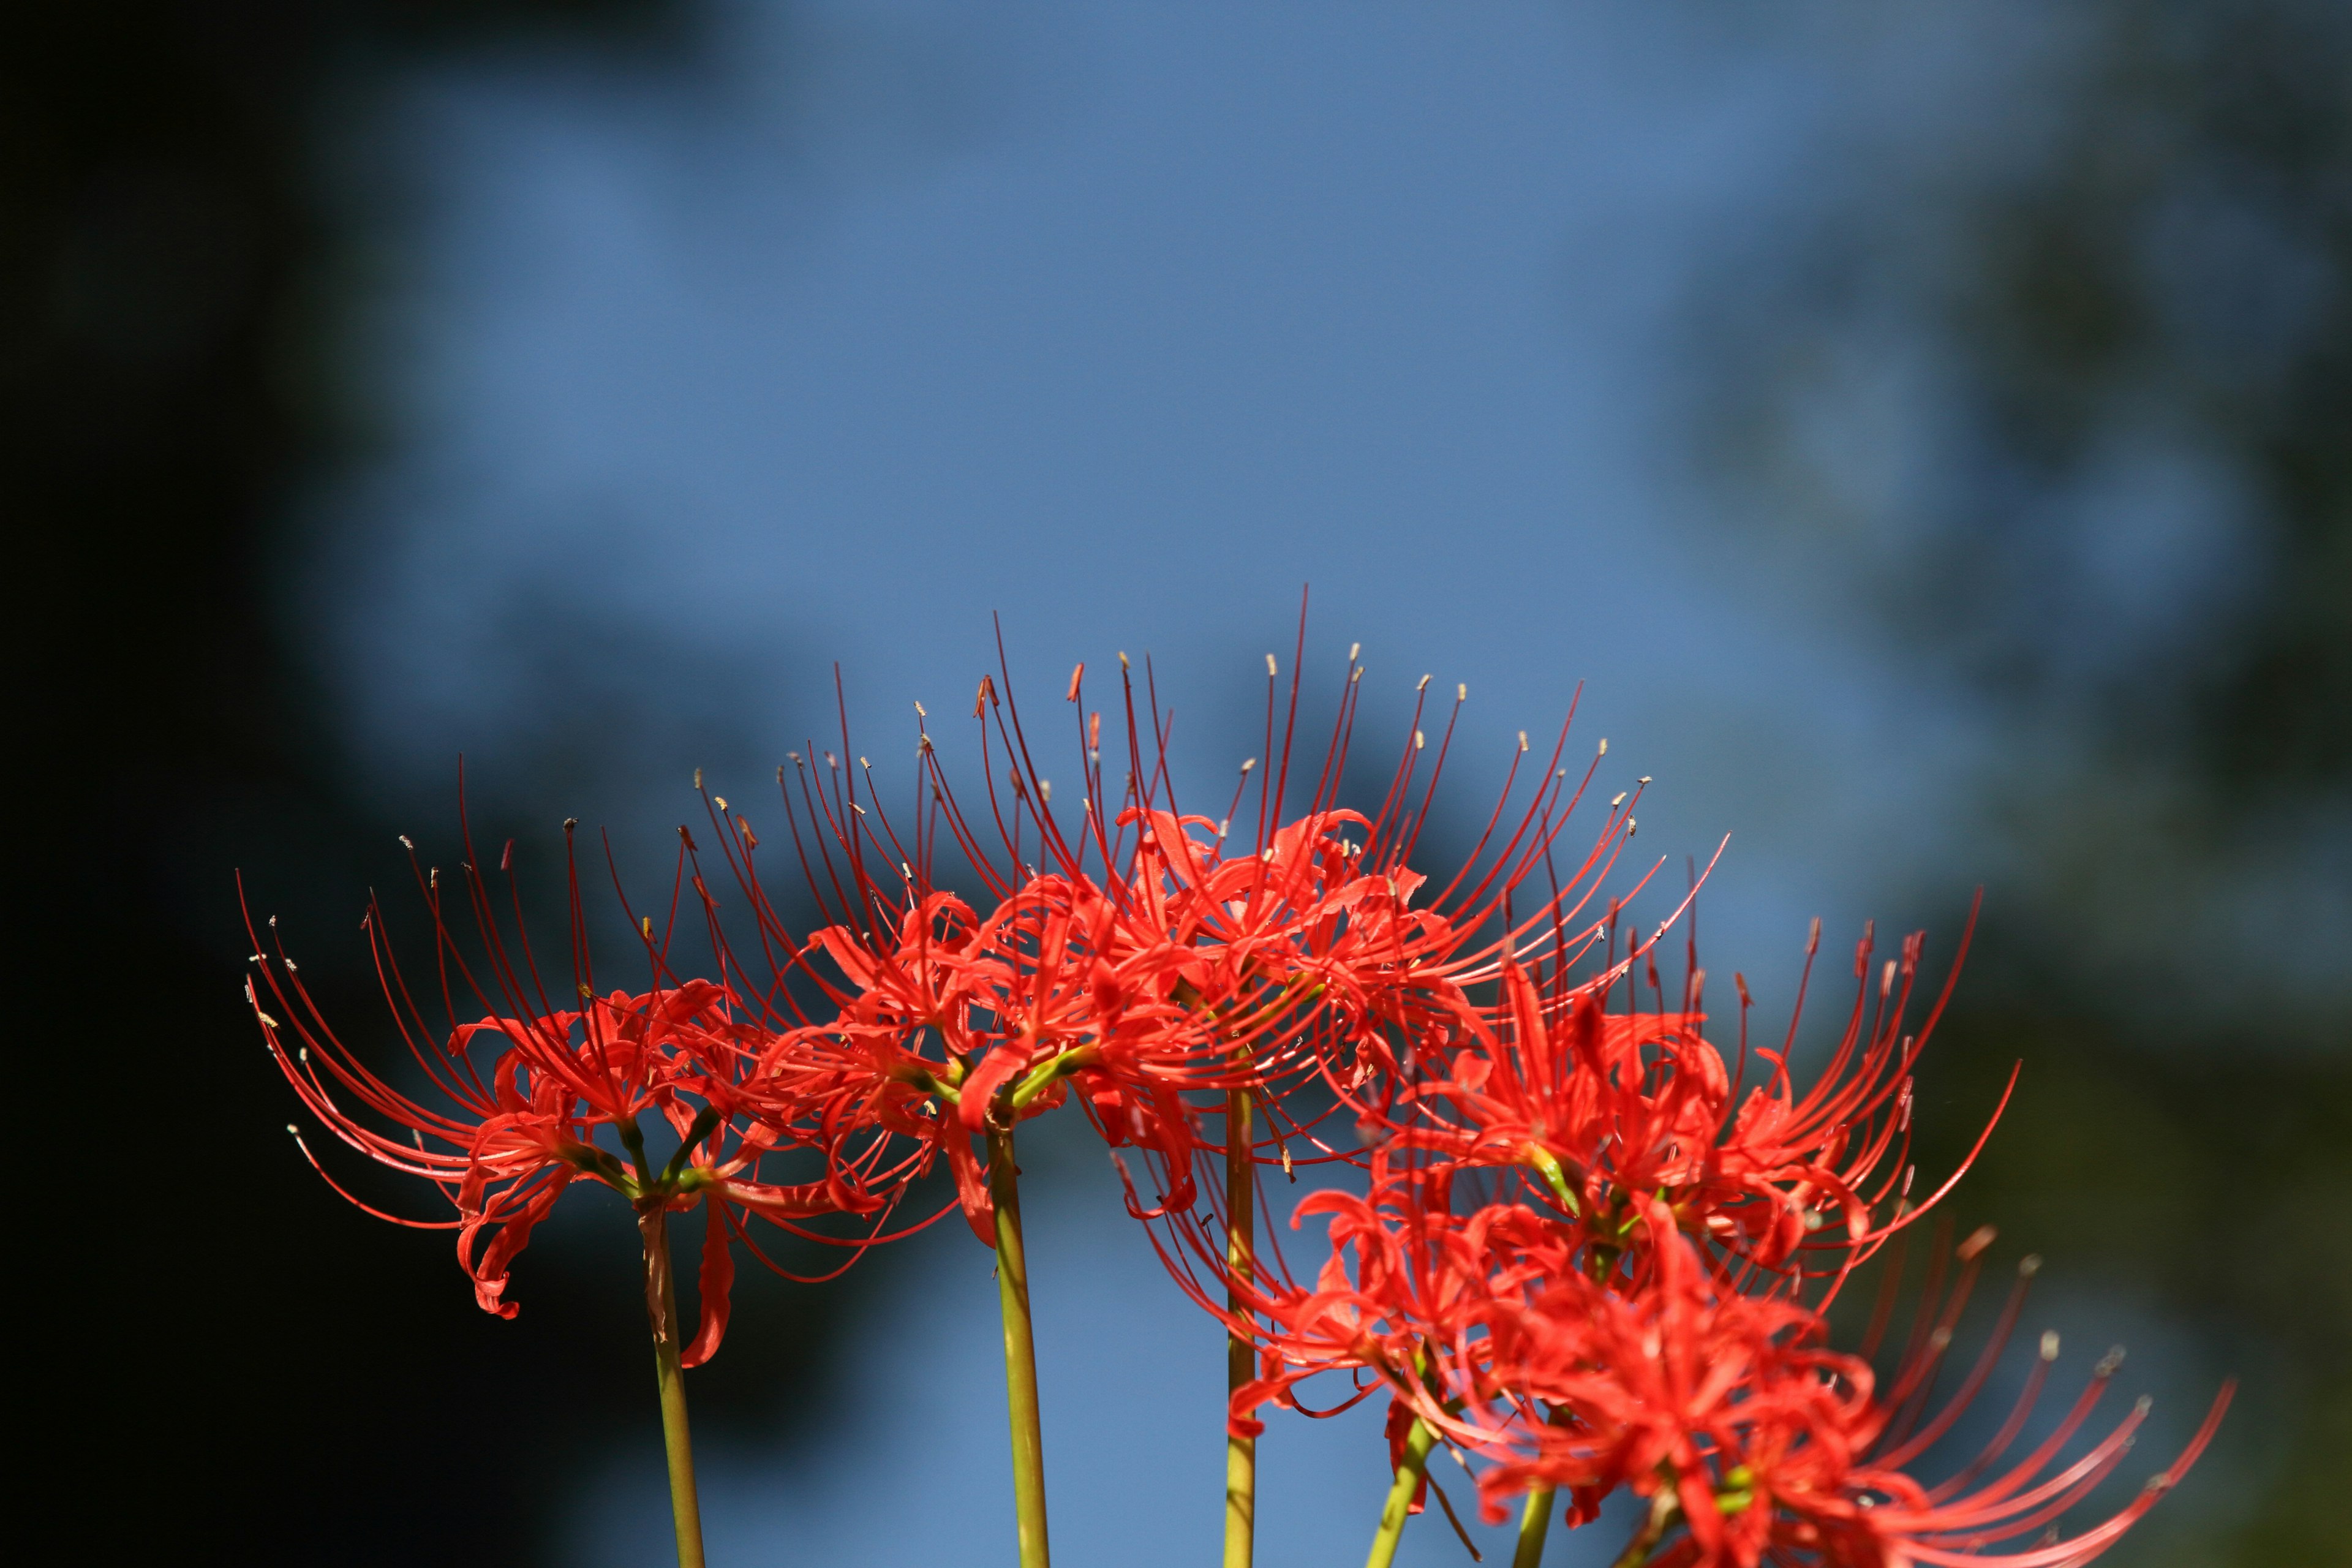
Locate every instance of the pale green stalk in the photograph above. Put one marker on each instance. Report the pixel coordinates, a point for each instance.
(1534, 1524)
(661, 1309)
(1020, 1352)
(1240, 1355)
(1395, 1511)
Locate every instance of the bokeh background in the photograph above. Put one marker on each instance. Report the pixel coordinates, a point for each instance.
(1928, 431)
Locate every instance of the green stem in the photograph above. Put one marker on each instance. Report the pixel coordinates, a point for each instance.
(1534, 1524)
(1417, 1445)
(661, 1310)
(1240, 1354)
(1020, 1352)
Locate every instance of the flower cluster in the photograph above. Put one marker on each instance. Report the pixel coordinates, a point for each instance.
(1589, 1255)
(1567, 1239)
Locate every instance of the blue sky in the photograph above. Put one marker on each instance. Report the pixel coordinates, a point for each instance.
(835, 337)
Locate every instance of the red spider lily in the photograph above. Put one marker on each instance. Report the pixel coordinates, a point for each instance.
(871, 1093)
(1727, 1410)
(955, 1019)
(1786, 1160)
(1597, 1105)
(1068, 1003)
(1607, 1107)
(1377, 1304)
(1247, 938)
(1752, 1439)
(1604, 1114)
(519, 1097)
(1156, 962)
(1407, 1293)
(1060, 987)
(1804, 1486)
(1624, 1383)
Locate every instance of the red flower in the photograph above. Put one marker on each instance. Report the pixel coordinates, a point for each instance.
(1788, 1162)
(1267, 946)
(518, 1096)
(1409, 1293)
(1594, 1384)
(1600, 1110)
(1752, 1439)
(1596, 1106)
(1138, 952)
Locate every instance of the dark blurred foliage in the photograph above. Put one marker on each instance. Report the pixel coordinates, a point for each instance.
(244, 1367)
(2073, 415)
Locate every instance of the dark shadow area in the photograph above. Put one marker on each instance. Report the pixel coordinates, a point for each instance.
(246, 1369)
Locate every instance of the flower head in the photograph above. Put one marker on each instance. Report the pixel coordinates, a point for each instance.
(519, 1103)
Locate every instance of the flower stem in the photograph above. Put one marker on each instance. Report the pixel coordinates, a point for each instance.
(1534, 1524)
(661, 1310)
(1020, 1352)
(1417, 1445)
(1240, 1354)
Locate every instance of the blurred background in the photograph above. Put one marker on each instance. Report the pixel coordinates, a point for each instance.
(1928, 433)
